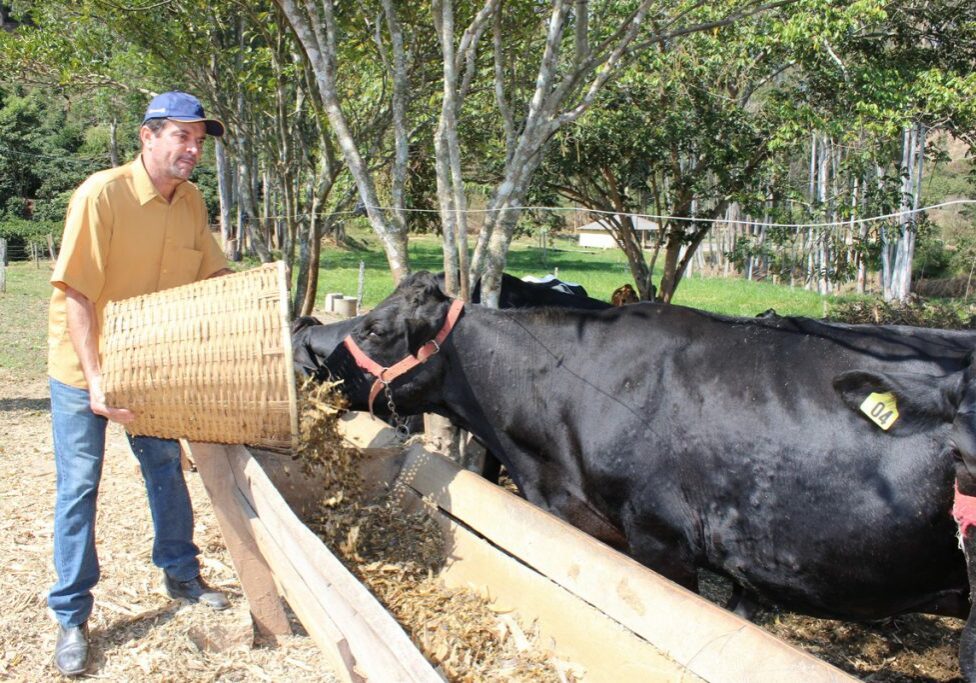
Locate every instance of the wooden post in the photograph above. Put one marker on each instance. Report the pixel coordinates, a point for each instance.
(256, 578)
(50, 247)
(362, 287)
(37, 263)
(3, 265)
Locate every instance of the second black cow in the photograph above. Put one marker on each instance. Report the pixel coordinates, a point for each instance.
(311, 340)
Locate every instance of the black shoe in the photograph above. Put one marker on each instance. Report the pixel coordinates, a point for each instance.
(71, 651)
(195, 590)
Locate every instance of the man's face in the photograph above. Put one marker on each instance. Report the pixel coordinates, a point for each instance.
(176, 149)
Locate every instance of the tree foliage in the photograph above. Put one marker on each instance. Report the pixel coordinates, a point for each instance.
(687, 110)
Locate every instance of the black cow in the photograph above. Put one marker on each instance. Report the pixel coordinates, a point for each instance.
(689, 440)
(552, 282)
(311, 340)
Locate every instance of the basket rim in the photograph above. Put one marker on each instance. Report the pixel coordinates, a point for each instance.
(289, 356)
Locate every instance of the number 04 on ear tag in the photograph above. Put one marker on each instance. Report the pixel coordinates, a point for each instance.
(881, 409)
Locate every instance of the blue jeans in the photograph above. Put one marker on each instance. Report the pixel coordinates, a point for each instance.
(79, 449)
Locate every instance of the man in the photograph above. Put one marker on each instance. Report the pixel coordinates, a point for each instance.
(130, 230)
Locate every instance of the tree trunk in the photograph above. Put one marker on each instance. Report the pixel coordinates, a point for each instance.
(911, 193)
(669, 279)
(862, 235)
(825, 203)
(113, 142)
(317, 34)
(249, 214)
(503, 213)
(452, 267)
(224, 186)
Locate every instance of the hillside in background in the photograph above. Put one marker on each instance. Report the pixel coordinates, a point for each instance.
(951, 179)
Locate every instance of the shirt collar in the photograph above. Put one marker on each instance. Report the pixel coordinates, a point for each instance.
(145, 190)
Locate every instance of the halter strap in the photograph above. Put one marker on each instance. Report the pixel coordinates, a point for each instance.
(385, 375)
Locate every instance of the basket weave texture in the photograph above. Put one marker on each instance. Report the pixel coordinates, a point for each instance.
(210, 361)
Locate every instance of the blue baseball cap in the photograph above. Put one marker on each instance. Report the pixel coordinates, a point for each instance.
(181, 106)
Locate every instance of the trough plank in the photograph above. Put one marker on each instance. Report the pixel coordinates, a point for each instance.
(382, 651)
(364, 431)
(709, 641)
(571, 629)
(316, 620)
(255, 576)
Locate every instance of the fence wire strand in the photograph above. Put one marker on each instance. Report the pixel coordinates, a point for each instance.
(847, 222)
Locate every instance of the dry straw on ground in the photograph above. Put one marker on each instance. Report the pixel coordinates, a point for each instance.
(138, 634)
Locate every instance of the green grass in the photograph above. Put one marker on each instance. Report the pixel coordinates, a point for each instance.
(599, 271)
(23, 319)
(23, 308)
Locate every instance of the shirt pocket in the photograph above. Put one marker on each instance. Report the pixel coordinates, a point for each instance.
(180, 268)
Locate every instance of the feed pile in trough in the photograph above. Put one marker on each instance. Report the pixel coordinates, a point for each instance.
(397, 554)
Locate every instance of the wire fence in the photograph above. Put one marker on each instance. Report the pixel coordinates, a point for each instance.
(824, 253)
(842, 223)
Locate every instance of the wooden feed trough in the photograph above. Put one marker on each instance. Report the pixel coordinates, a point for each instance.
(605, 613)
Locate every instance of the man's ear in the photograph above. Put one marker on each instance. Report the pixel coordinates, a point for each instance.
(918, 400)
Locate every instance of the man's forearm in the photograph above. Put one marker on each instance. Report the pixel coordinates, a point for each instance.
(83, 331)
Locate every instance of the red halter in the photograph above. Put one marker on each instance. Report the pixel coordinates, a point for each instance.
(386, 375)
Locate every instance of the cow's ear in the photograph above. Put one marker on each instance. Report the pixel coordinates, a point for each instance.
(442, 283)
(418, 333)
(303, 322)
(916, 400)
(423, 289)
(855, 385)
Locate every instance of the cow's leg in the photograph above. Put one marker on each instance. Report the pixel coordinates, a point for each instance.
(743, 602)
(668, 557)
(491, 468)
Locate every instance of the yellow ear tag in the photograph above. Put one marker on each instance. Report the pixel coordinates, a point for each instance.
(881, 409)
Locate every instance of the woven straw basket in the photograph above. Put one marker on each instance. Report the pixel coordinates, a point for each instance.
(210, 361)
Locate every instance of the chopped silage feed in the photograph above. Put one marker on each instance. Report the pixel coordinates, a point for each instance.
(398, 554)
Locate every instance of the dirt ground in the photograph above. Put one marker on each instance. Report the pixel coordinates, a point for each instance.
(138, 633)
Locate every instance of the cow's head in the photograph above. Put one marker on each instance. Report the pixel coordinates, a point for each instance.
(312, 343)
(624, 295)
(398, 328)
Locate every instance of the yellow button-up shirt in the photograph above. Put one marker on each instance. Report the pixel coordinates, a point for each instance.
(122, 239)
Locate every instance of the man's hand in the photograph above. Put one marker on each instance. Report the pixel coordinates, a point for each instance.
(99, 407)
(83, 330)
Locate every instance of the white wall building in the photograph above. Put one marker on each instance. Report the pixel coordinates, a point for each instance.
(595, 234)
